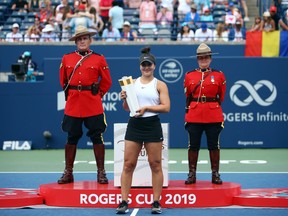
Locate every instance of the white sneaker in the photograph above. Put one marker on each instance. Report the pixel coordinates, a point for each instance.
(246, 19)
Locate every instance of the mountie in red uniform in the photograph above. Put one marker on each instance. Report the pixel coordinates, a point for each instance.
(205, 90)
(93, 69)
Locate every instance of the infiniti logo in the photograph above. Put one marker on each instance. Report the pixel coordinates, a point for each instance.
(253, 93)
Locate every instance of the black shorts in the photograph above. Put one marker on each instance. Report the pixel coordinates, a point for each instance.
(143, 130)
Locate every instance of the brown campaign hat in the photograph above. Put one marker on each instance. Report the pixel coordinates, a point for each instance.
(81, 31)
(203, 50)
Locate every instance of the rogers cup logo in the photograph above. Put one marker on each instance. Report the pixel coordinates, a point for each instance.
(253, 93)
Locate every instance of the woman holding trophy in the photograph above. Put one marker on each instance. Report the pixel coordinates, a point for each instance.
(144, 128)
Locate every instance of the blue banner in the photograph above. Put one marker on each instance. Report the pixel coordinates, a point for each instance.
(255, 106)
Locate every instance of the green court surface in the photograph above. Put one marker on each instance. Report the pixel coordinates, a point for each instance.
(232, 160)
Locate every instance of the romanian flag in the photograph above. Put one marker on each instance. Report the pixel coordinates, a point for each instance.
(267, 44)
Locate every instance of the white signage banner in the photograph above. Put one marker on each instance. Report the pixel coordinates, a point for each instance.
(142, 175)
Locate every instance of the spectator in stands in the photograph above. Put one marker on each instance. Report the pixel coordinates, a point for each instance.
(20, 5)
(267, 24)
(32, 35)
(97, 23)
(278, 5)
(44, 13)
(14, 35)
(170, 4)
(206, 16)
(104, 6)
(63, 3)
(55, 25)
(148, 15)
(59, 15)
(116, 16)
(78, 2)
(233, 14)
(87, 3)
(220, 33)
(183, 8)
(164, 16)
(38, 25)
(283, 22)
(185, 33)
(275, 16)
(48, 4)
(245, 8)
(192, 16)
(204, 33)
(95, 4)
(202, 4)
(133, 4)
(257, 24)
(230, 8)
(238, 16)
(128, 34)
(110, 33)
(67, 16)
(34, 5)
(48, 34)
(80, 19)
(238, 33)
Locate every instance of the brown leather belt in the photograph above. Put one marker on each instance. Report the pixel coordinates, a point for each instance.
(80, 88)
(205, 99)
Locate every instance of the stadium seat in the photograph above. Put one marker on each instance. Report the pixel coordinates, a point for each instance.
(219, 8)
(28, 20)
(218, 13)
(25, 26)
(7, 28)
(164, 34)
(12, 20)
(3, 8)
(17, 14)
(148, 34)
(134, 21)
(3, 35)
(218, 20)
(32, 14)
(5, 2)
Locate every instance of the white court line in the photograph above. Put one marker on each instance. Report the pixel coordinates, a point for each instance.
(134, 212)
(176, 172)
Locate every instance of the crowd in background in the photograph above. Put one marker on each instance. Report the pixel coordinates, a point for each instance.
(136, 20)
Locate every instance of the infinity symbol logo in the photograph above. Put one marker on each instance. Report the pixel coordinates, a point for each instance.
(253, 93)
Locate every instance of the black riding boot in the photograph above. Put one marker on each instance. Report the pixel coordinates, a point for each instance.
(99, 152)
(215, 159)
(192, 159)
(70, 154)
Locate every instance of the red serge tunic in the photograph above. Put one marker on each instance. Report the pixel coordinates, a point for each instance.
(213, 86)
(92, 69)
